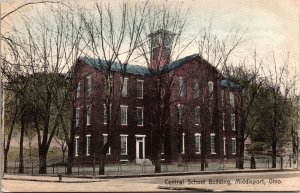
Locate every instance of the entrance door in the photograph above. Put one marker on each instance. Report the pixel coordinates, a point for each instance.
(141, 150)
(140, 147)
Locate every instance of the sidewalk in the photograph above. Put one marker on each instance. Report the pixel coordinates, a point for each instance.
(98, 178)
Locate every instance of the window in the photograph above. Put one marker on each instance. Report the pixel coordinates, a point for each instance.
(88, 114)
(78, 90)
(77, 117)
(198, 143)
(212, 143)
(210, 88)
(89, 83)
(124, 86)
(88, 144)
(124, 115)
(233, 146)
(223, 121)
(76, 145)
(105, 116)
(181, 87)
(163, 145)
(197, 115)
(231, 98)
(183, 146)
(123, 144)
(196, 88)
(104, 142)
(233, 121)
(140, 116)
(222, 97)
(109, 83)
(210, 111)
(140, 88)
(180, 113)
(224, 145)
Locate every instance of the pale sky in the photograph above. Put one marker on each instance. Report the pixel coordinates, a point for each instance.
(270, 24)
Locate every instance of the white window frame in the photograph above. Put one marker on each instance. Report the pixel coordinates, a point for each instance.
(88, 144)
(197, 108)
(88, 114)
(233, 144)
(76, 146)
(89, 84)
(213, 145)
(224, 145)
(183, 144)
(142, 83)
(231, 99)
(232, 121)
(180, 113)
(77, 117)
(124, 86)
(126, 148)
(196, 88)
(222, 97)
(78, 90)
(142, 110)
(125, 107)
(109, 149)
(181, 86)
(210, 88)
(198, 136)
(105, 115)
(223, 121)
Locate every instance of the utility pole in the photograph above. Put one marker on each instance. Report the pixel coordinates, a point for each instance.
(1, 112)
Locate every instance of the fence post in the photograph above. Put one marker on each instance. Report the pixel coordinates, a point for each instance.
(290, 161)
(31, 167)
(281, 162)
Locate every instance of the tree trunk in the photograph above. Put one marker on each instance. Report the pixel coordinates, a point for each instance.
(70, 158)
(274, 153)
(21, 154)
(5, 160)
(158, 157)
(102, 164)
(241, 156)
(42, 160)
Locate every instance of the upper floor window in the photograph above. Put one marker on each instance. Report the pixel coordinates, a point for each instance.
(89, 84)
(105, 113)
(140, 116)
(222, 97)
(140, 88)
(233, 121)
(212, 143)
(197, 115)
(109, 84)
(104, 142)
(124, 86)
(76, 145)
(180, 113)
(233, 146)
(223, 121)
(198, 143)
(231, 98)
(77, 117)
(181, 87)
(88, 144)
(88, 114)
(78, 90)
(124, 114)
(124, 144)
(196, 88)
(210, 88)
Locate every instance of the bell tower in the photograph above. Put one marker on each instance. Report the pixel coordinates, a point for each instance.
(161, 47)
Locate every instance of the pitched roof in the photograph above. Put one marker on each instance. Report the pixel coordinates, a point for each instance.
(229, 84)
(134, 69)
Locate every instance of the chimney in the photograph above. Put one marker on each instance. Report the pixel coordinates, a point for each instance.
(161, 47)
